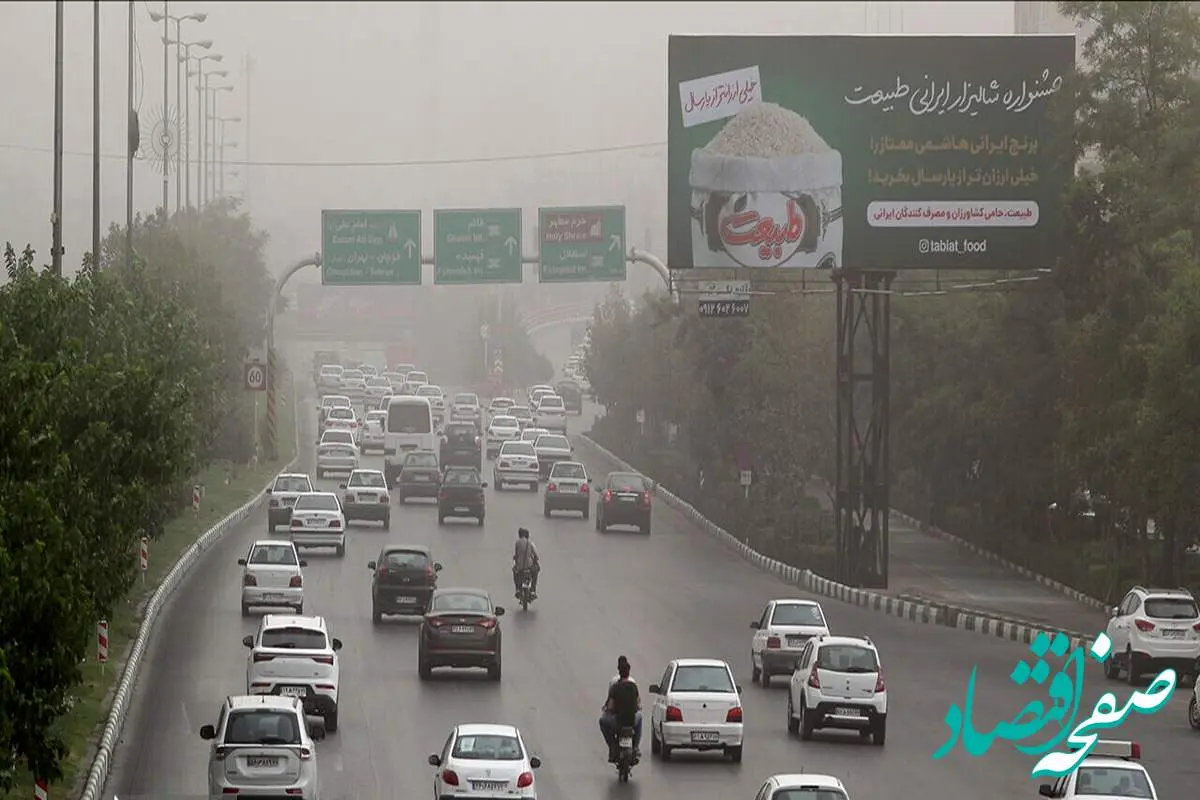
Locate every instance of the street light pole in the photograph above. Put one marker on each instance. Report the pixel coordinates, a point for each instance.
(96, 135)
(56, 247)
(220, 178)
(163, 136)
(199, 73)
(211, 178)
(130, 131)
(202, 88)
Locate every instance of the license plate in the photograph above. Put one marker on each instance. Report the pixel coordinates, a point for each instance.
(272, 596)
(847, 711)
(292, 691)
(314, 523)
(462, 628)
(796, 641)
(406, 600)
(289, 501)
(463, 509)
(625, 741)
(262, 762)
(567, 489)
(1173, 633)
(705, 736)
(627, 499)
(421, 478)
(368, 498)
(489, 786)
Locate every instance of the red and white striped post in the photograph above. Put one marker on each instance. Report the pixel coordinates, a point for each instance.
(196, 498)
(102, 642)
(144, 557)
(41, 789)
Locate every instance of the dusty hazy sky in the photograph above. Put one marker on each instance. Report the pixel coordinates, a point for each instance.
(392, 82)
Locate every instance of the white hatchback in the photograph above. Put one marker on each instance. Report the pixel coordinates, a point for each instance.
(318, 521)
(262, 746)
(480, 760)
(501, 429)
(551, 414)
(271, 576)
(372, 436)
(697, 706)
(294, 656)
(780, 635)
(802, 786)
(838, 683)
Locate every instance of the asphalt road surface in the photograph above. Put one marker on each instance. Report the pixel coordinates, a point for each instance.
(675, 593)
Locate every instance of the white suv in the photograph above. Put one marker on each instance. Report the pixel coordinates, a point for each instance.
(1153, 629)
(838, 683)
(262, 746)
(294, 656)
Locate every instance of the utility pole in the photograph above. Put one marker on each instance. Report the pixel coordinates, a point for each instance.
(180, 68)
(164, 136)
(96, 134)
(248, 70)
(131, 130)
(56, 246)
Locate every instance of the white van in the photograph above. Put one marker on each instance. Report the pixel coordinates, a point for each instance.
(409, 427)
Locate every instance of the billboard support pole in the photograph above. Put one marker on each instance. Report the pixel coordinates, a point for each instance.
(863, 426)
(271, 445)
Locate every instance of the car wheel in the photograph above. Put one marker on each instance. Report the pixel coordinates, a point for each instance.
(586, 512)
(879, 732)
(533, 487)
(331, 721)
(497, 483)
(341, 550)
(1112, 670)
(441, 519)
(764, 678)
(655, 744)
(424, 670)
(376, 615)
(546, 512)
(245, 610)
(645, 528)
(734, 753)
(1133, 667)
(494, 670)
(808, 721)
(1194, 713)
(401, 499)
(755, 672)
(300, 609)
(479, 520)
(664, 750)
(793, 724)
(320, 473)
(387, 522)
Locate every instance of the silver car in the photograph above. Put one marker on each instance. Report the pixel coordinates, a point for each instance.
(516, 463)
(550, 448)
(318, 521)
(336, 454)
(262, 744)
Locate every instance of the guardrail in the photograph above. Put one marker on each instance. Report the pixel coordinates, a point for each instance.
(102, 762)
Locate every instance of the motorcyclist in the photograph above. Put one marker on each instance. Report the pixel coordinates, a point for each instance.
(622, 709)
(525, 557)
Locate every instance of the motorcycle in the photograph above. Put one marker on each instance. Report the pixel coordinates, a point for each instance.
(625, 757)
(525, 593)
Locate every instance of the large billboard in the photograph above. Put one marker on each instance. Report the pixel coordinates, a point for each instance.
(868, 152)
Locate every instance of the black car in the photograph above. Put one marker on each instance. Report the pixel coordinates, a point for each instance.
(460, 629)
(461, 446)
(572, 396)
(461, 494)
(403, 580)
(420, 476)
(624, 500)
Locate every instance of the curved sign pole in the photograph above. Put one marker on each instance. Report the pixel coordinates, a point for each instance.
(271, 443)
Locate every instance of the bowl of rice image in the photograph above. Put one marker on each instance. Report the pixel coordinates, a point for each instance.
(766, 192)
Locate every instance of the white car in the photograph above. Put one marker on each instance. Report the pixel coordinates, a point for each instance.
(531, 433)
(484, 761)
(354, 384)
(551, 414)
(395, 380)
(372, 432)
(271, 576)
(337, 452)
(340, 419)
(515, 463)
(330, 378)
(464, 407)
(376, 388)
(551, 447)
(369, 371)
(294, 656)
(283, 492)
(536, 395)
(262, 746)
(780, 635)
(697, 706)
(502, 429)
(416, 378)
(802, 786)
(437, 399)
(1153, 629)
(1111, 770)
(838, 683)
(318, 521)
(500, 405)
(331, 401)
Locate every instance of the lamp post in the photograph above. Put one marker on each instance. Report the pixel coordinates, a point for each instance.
(202, 90)
(210, 178)
(199, 127)
(167, 41)
(222, 144)
(185, 144)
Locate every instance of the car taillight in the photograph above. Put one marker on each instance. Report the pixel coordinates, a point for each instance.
(449, 777)
(274, 502)
(773, 642)
(305, 754)
(335, 523)
(249, 580)
(382, 570)
(219, 753)
(1135, 751)
(429, 573)
(297, 523)
(296, 582)
(435, 623)
(674, 714)
(607, 496)
(814, 680)
(879, 686)
(487, 624)
(384, 499)
(349, 498)
(525, 780)
(734, 714)
(353, 425)
(442, 495)
(1144, 626)
(327, 660)
(1196, 627)
(583, 488)
(261, 657)
(645, 498)
(551, 487)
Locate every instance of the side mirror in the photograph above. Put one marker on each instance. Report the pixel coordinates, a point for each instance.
(1046, 790)
(589, 480)
(371, 565)
(208, 732)
(654, 689)
(435, 760)
(271, 490)
(341, 486)
(303, 563)
(337, 644)
(241, 562)
(499, 611)
(534, 762)
(317, 731)
(248, 641)
(739, 688)
(572, 448)
(755, 626)
(1114, 613)
(483, 485)
(437, 567)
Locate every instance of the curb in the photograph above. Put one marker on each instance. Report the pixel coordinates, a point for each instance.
(122, 697)
(967, 620)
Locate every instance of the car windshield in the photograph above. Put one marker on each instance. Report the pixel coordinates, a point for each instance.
(461, 477)
(796, 614)
(474, 603)
(293, 483)
(335, 401)
(520, 413)
(626, 482)
(552, 441)
(570, 471)
(847, 658)
(530, 435)
(460, 430)
(1112, 782)
(465, 400)
(373, 480)
(376, 416)
(809, 793)
(337, 437)
(417, 377)
(429, 391)
(379, 382)
(282, 555)
(491, 747)
(405, 559)
(352, 375)
(702, 678)
(317, 502)
(503, 402)
(420, 460)
(1170, 608)
(341, 413)
(293, 638)
(551, 402)
(262, 726)
(516, 449)
(328, 370)
(504, 422)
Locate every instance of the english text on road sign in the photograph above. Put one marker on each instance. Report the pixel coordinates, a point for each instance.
(370, 248)
(255, 376)
(577, 245)
(477, 246)
(724, 298)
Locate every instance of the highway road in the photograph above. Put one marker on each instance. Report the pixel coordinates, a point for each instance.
(673, 594)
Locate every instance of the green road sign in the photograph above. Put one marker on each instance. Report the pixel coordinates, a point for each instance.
(370, 248)
(578, 245)
(481, 245)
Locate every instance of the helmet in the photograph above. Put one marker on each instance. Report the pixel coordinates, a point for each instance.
(522, 533)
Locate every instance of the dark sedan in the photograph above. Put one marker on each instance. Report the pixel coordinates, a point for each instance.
(572, 396)
(461, 494)
(461, 629)
(624, 500)
(403, 580)
(419, 476)
(461, 446)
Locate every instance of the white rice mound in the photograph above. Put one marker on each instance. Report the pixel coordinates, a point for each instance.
(767, 130)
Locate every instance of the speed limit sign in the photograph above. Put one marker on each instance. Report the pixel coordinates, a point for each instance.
(256, 376)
